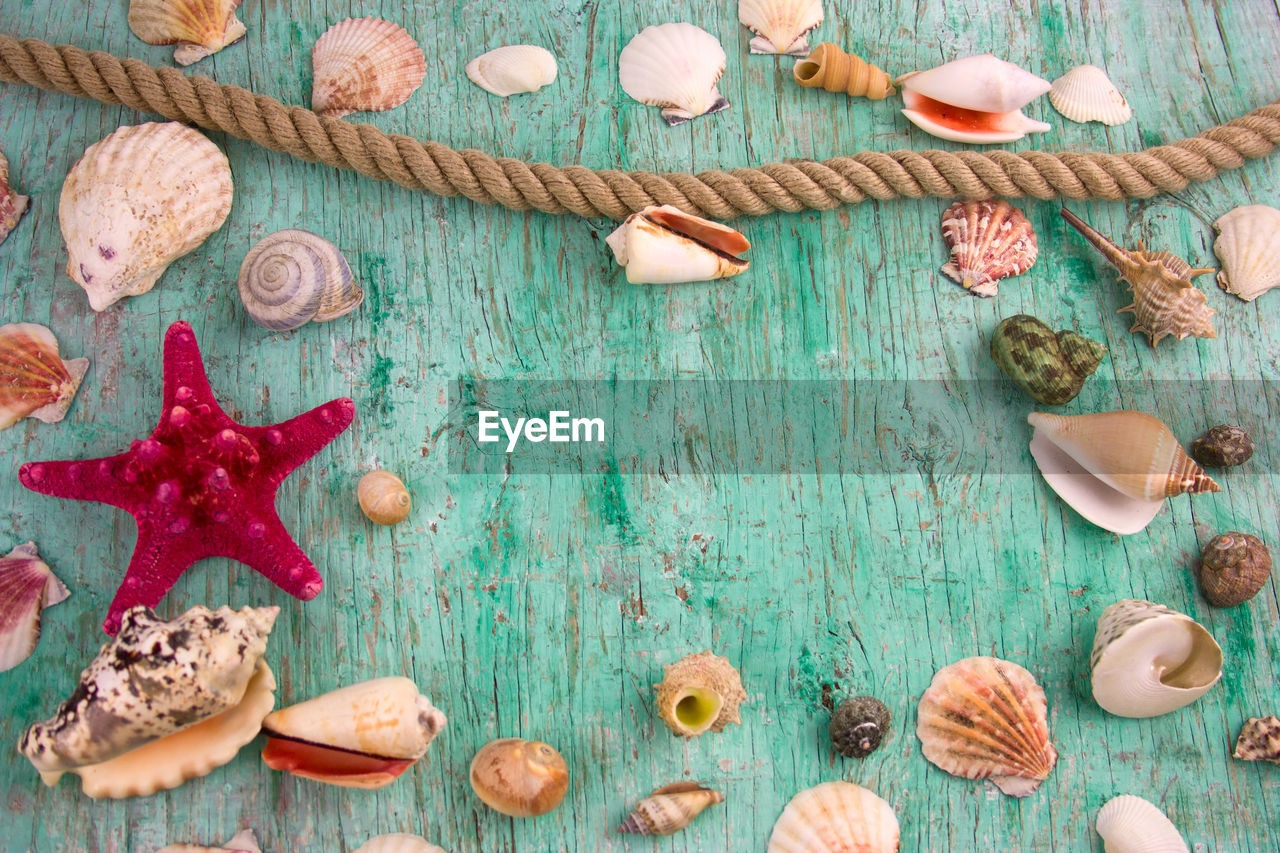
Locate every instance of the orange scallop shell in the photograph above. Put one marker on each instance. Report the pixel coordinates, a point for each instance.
(365, 64)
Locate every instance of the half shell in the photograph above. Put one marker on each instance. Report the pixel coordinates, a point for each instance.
(1130, 824)
(833, 69)
(670, 809)
(293, 277)
(198, 27)
(34, 381)
(665, 245)
(398, 842)
(989, 240)
(1248, 246)
(27, 586)
(243, 842)
(1259, 740)
(977, 99)
(12, 205)
(520, 778)
(513, 69)
(137, 201)
(835, 817)
(700, 693)
(675, 67)
(364, 65)
(780, 26)
(1086, 93)
(985, 718)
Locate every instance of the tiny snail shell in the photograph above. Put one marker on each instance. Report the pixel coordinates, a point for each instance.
(383, 497)
(520, 778)
(293, 277)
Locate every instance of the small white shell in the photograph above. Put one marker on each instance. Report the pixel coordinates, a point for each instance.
(243, 842)
(675, 67)
(780, 26)
(664, 245)
(990, 86)
(292, 277)
(398, 842)
(364, 64)
(198, 27)
(1248, 246)
(1130, 824)
(27, 586)
(513, 69)
(835, 817)
(1086, 93)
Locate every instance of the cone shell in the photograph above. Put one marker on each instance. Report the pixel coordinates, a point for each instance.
(398, 842)
(34, 380)
(1050, 366)
(520, 778)
(832, 69)
(199, 27)
(985, 718)
(665, 245)
(780, 26)
(364, 65)
(835, 817)
(1085, 93)
(1130, 824)
(137, 201)
(383, 498)
(669, 809)
(989, 241)
(1148, 660)
(976, 100)
(700, 693)
(1259, 740)
(675, 67)
(12, 205)
(294, 277)
(1248, 246)
(513, 69)
(27, 586)
(243, 842)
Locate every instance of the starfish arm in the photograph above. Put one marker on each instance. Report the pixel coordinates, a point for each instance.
(267, 548)
(289, 444)
(185, 380)
(83, 480)
(154, 569)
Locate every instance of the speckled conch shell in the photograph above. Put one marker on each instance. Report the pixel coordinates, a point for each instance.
(190, 693)
(383, 497)
(1086, 93)
(1129, 824)
(398, 842)
(362, 736)
(1114, 468)
(137, 201)
(199, 28)
(1259, 740)
(34, 380)
(670, 809)
(520, 778)
(1165, 302)
(1148, 660)
(12, 205)
(1050, 366)
(985, 718)
(243, 842)
(294, 277)
(835, 817)
(27, 587)
(830, 68)
(1248, 246)
(364, 65)
(780, 26)
(675, 67)
(978, 99)
(989, 241)
(513, 69)
(698, 693)
(665, 245)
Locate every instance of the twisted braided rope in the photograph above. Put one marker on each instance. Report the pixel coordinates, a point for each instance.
(791, 186)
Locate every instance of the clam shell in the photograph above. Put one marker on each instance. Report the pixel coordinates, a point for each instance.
(34, 380)
(989, 240)
(1086, 93)
(1130, 824)
(832, 69)
(519, 778)
(976, 99)
(398, 842)
(137, 201)
(1148, 660)
(12, 205)
(835, 817)
(383, 497)
(1248, 246)
(364, 65)
(199, 27)
(243, 842)
(293, 277)
(513, 69)
(985, 718)
(669, 809)
(664, 245)
(27, 586)
(675, 67)
(699, 693)
(780, 26)
(1259, 740)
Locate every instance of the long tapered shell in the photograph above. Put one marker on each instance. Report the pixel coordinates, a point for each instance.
(1130, 824)
(675, 67)
(34, 380)
(1259, 740)
(1248, 246)
(985, 718)
(699, 693)
(1148, 660)
(137, 201)
(669, 809)
(513, 69)
(1085, 93)
(520, 778)
(383, 497)
(243, 842)
(12, 205)
(293, 277)
(27, 586)
(364, 64)
(199, 27)
(835, 817)
(780, 26)
(832, 69)
(990, 241)
(398, 842)
(664, 245)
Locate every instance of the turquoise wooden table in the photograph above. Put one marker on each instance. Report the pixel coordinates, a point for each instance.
(543, 605)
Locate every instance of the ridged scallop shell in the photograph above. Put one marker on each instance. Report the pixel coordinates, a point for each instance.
(1259, 740)
(699, 693)
(985, 718)
(398, 842)
(1130, 824)
(137, 201)
(1248, 246)
(1086, 93)
(835, 817)
(243, 842)
(198, 27)
(665, 245)
(669, 809)
(383, 497)
(780, 26)
(989, 241)
(1148, 660)
(34, 381)
(977, 100)
(27, 586)
(294, 277)
(833, 69)
(675, 67)
(513, 69)
(12, 205)
(519, 778)
(364, 65)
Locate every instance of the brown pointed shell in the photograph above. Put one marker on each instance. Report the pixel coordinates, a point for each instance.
(34, 381)
(670, 809)
(365, 64)
(700, 693)
(989, 240)
(832, 69)
(199, 27)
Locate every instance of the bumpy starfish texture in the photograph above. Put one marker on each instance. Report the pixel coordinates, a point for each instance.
(200, 486)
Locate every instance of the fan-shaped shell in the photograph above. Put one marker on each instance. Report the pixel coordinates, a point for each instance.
(1130, 824)
(780, 26)
(513, 69)
(989, 240)
(1086, 93)
(835, 817)
(675, 67)
(199, 27)
(398, 842)
(985, 718)
(669, 809)
(977, 99)
(364, 64)
(292, 277)
(27, 586)
(34, 380)
(665, 245)
(1248, 246)
(383, 497)
(137, 201)
(243, 842)
(12, 205)
(520, 778)
(699, 693)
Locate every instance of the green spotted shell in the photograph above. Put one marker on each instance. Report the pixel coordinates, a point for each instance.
(1050, 366)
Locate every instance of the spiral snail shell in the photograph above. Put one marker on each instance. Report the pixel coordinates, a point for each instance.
(383, 497)
(293, 277)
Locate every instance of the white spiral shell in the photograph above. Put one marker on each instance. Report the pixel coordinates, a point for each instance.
(292, 277)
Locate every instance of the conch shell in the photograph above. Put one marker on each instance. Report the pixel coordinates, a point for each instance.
(520, 778)
(243, 842)
(977, 99)
(199, 28)
(1050, 366)
(780, 26)
(665, 245)
(700, 693)
(27, 587)
(835, 817)
(670, 809)
(832, 69)
(12, 205)
(1259, 740)
(1129, 824)
(990, 241)
(34, 379)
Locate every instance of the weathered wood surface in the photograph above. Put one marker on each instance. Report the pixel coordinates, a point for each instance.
(544, 606)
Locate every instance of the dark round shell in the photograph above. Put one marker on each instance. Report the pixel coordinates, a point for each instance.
(1233, 567)
(1223, 446)
(1050, 366)
(858, 726)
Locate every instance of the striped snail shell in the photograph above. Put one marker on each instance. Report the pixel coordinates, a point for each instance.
(292, 277)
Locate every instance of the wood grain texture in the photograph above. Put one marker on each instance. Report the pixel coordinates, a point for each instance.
(544, 606)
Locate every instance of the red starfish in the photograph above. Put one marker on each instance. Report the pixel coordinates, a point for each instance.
(201, 486)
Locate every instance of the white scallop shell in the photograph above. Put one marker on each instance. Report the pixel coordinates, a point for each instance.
(675, 67)
(1130, 824)
(27, 586)
(293, 277)
(199, 27)
(513, 69)
(835, 817)
(137, 201)
(1248, 246)
(243, 842)
(398, 842)
(1086, 93)
(780, 26)
(364, 64)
